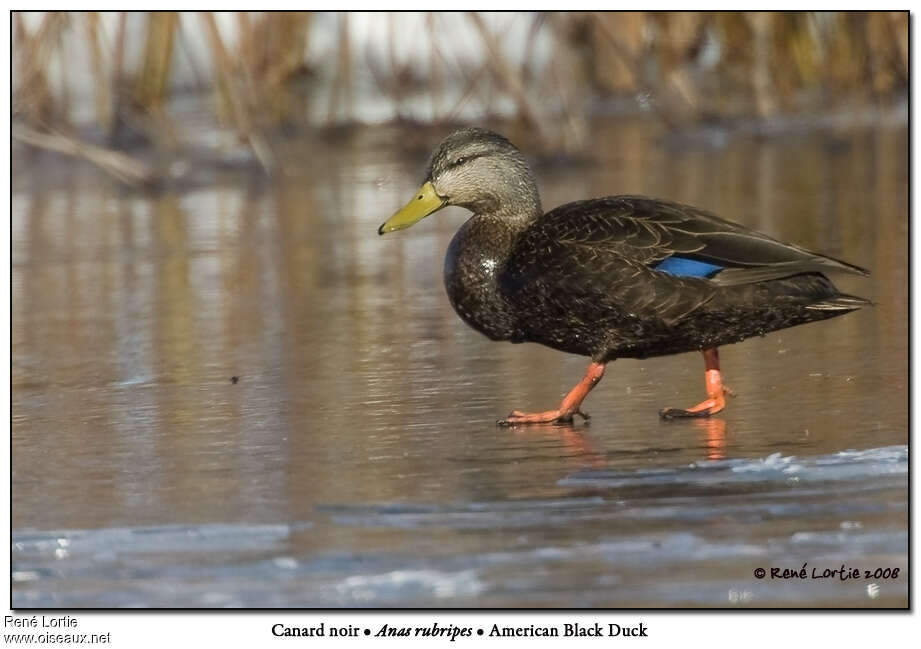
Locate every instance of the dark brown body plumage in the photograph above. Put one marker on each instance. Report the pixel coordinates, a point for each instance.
(583, 279)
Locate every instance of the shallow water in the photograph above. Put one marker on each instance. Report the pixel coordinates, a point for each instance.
(356, 461)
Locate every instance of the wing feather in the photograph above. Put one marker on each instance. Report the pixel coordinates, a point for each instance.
(647, 231)
(599, 256)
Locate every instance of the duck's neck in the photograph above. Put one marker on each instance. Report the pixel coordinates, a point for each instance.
(514, 211)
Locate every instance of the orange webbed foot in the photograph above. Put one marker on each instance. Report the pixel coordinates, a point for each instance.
(716, 392)
(570, 406)
(547, 417)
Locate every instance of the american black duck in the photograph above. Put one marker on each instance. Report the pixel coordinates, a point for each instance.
(613, 277)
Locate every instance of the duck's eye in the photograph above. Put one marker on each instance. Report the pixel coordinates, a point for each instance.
(460, 161)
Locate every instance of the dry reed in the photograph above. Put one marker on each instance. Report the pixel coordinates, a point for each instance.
(686, 66)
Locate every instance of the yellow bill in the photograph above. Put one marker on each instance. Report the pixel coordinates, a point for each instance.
(422, 204)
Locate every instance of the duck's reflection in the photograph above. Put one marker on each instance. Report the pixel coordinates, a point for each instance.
(578, 444)
(714, 431)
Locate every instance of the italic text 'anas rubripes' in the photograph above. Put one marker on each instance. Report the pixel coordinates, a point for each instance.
(613, 277)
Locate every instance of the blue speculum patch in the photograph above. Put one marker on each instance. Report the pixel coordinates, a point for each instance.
(687, 267)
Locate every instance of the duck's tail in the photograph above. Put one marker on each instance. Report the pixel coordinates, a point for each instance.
(841, 302)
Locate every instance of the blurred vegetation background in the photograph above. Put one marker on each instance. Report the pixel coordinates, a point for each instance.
(127, 90)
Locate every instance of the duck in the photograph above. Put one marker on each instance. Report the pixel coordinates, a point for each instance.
(611, 277)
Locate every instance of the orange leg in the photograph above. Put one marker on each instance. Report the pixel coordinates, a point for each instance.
(716, 391)
(569, 406)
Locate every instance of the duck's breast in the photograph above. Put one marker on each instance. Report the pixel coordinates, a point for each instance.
(474, 260)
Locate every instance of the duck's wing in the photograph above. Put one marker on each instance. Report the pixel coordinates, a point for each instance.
(653, 259)
(571, 272)
(683, 240)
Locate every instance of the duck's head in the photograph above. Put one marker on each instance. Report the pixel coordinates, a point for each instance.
(477, 169)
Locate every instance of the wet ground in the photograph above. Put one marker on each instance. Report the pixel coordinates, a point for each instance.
(355, 460)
